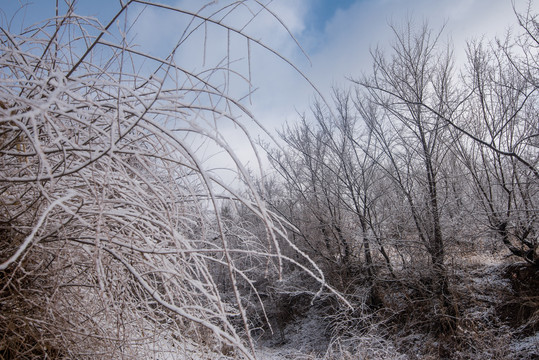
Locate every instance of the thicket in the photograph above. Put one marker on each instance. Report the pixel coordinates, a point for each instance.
(422, 165)
(113, 235)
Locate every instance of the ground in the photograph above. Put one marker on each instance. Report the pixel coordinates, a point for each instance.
(499, 319)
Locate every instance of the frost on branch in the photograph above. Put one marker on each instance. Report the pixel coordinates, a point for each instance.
(110, 231)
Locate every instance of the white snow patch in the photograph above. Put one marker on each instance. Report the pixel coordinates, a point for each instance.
(528, 346)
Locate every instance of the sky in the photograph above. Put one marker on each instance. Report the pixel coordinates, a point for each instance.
(335, 38)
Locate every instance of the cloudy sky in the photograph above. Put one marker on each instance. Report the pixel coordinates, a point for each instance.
(335, 38)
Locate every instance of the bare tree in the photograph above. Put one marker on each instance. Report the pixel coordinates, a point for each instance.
(314, 209)
(499, 110)
(394, 106)
(336, 189)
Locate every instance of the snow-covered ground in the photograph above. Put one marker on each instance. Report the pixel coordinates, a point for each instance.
(304, 338)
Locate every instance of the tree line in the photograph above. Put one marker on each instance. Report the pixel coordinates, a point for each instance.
(420, 161)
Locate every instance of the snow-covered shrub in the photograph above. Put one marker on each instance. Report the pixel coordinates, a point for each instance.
(110, 229)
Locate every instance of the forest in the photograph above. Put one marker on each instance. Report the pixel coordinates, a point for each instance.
(397, 219)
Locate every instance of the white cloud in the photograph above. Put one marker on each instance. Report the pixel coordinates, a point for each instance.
(342, 48)
(339, 50)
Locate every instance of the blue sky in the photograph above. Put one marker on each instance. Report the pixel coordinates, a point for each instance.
(322, 11)
(336, 34)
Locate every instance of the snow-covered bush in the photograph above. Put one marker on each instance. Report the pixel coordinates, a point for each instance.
(110, 228)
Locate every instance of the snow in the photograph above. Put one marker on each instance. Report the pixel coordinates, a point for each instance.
(527, 346)
(304, 338)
